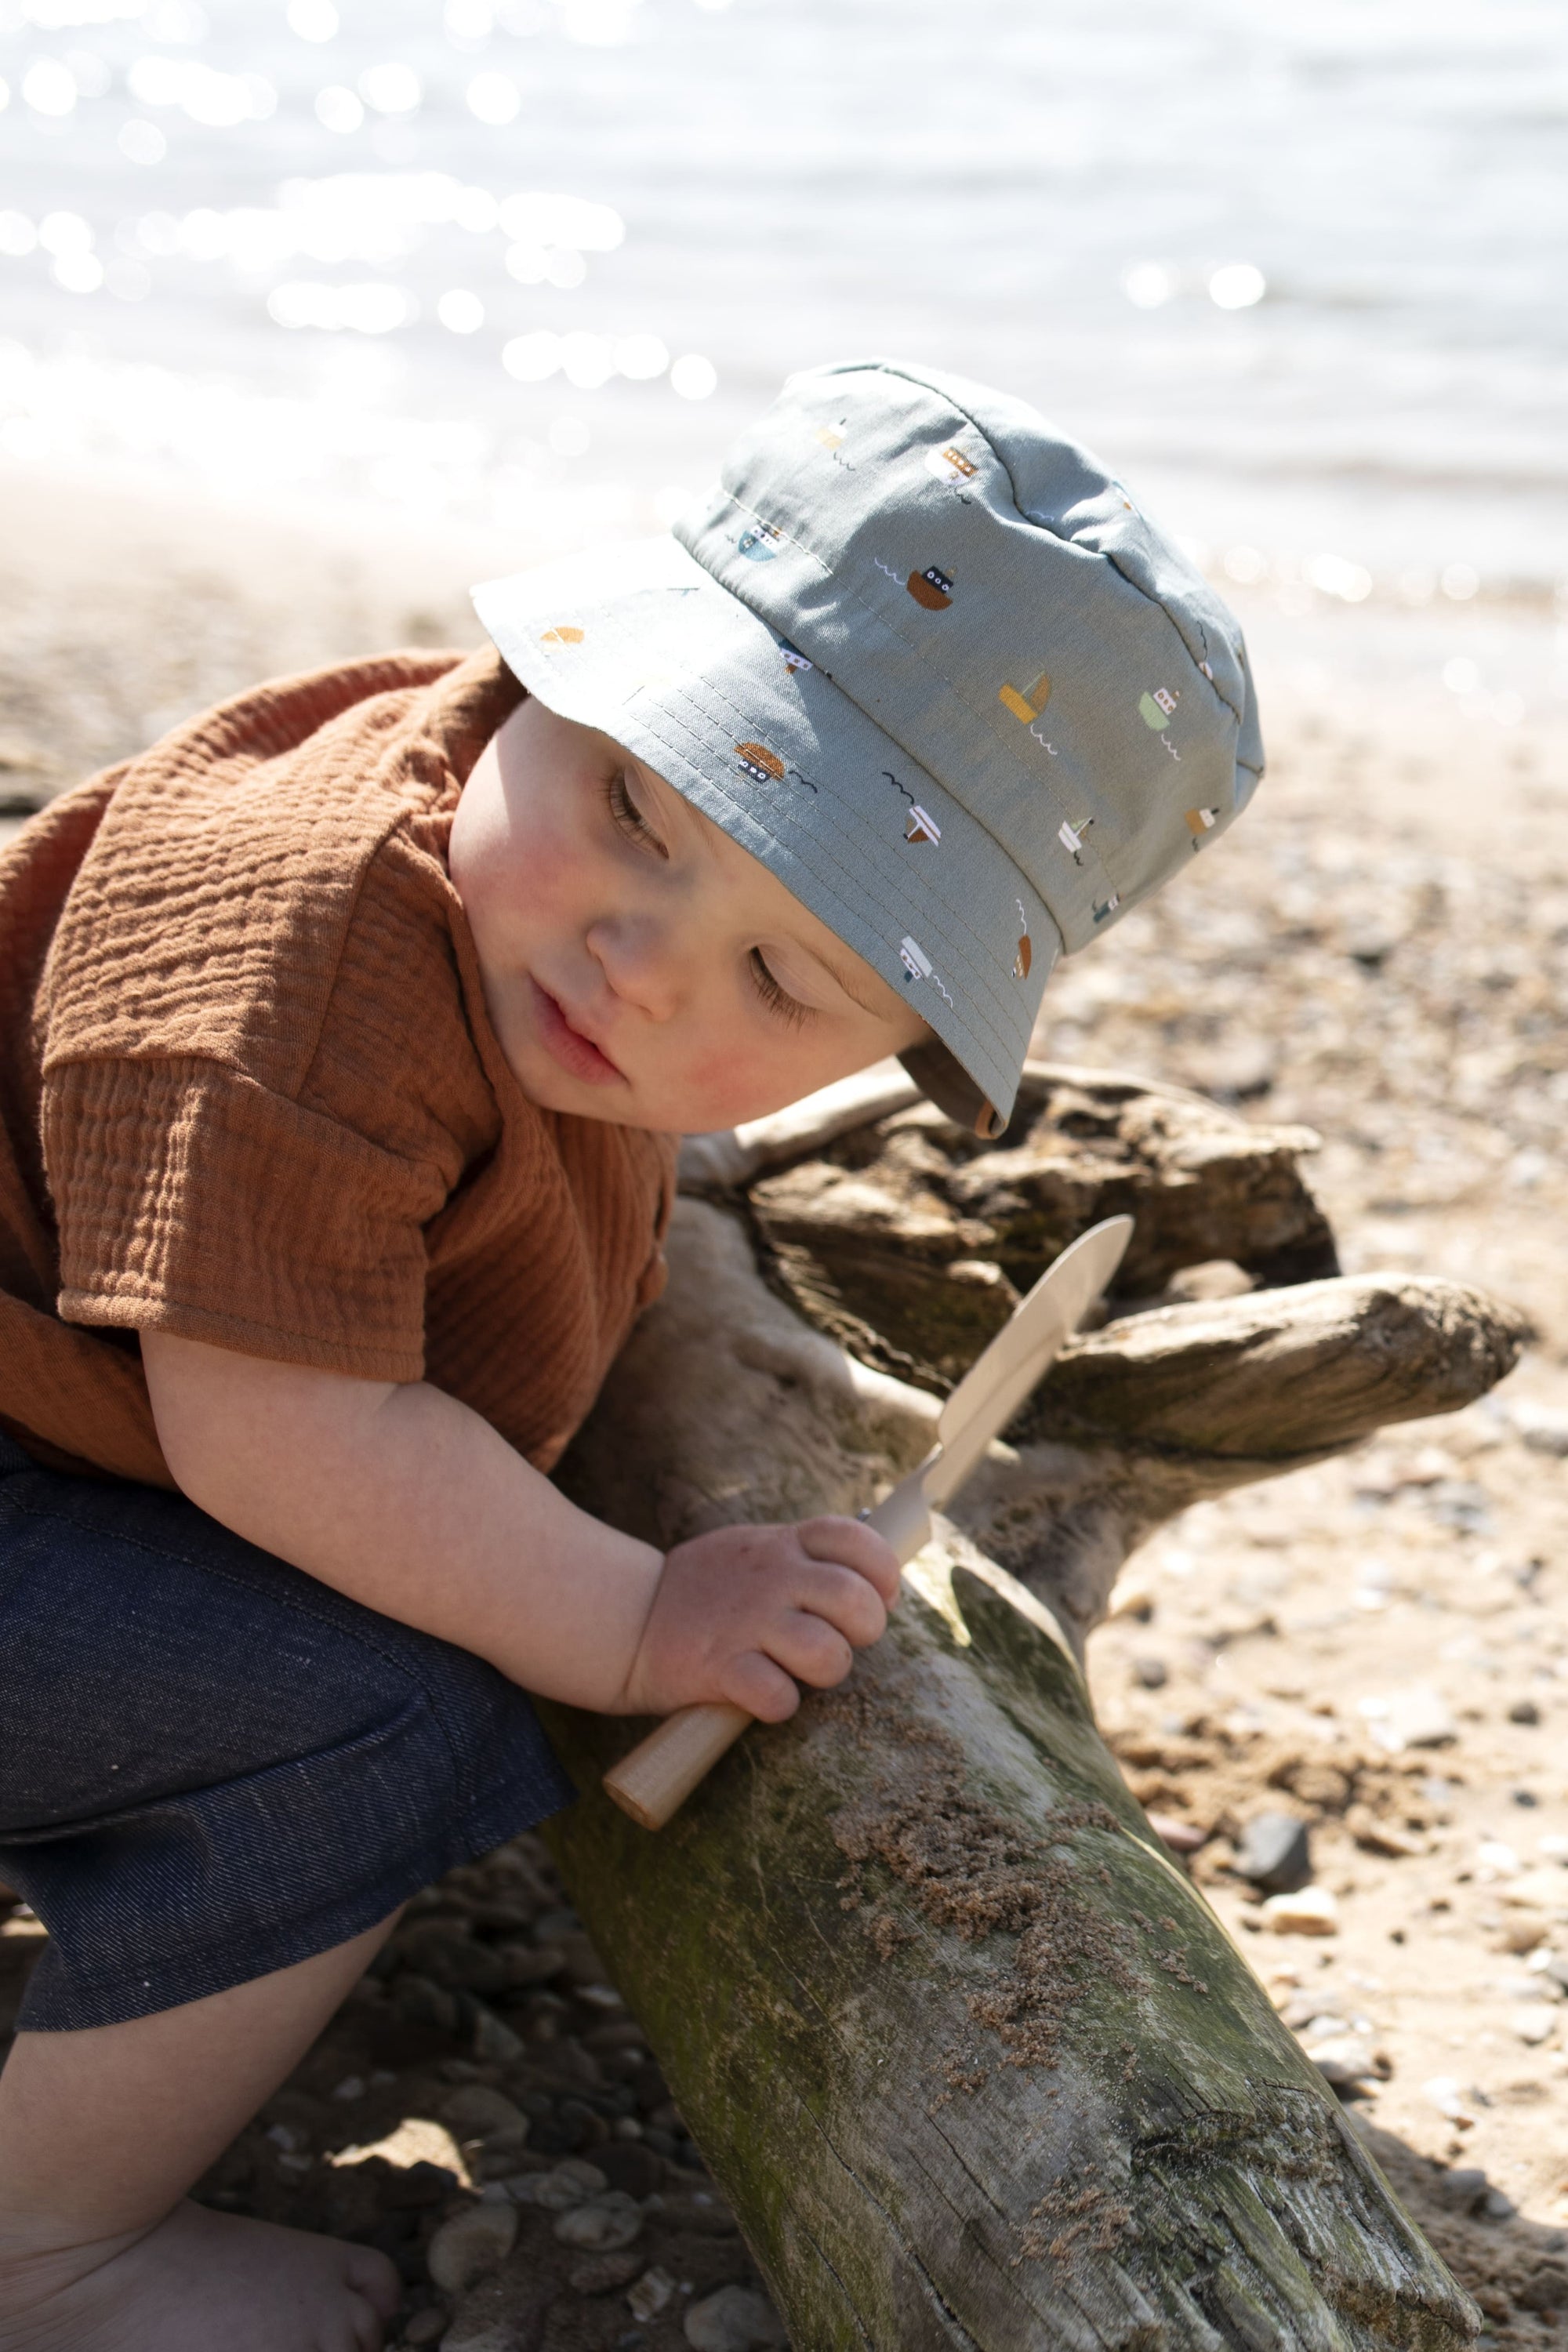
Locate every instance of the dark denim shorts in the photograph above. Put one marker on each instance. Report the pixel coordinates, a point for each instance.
(213, 1766)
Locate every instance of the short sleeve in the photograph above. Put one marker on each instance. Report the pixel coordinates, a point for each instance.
(274, 1197)
(192, 1200)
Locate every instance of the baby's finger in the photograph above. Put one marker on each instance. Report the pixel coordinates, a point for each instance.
(852, 1544)
(812, 1650)
(762, 1689)
(850, 1603)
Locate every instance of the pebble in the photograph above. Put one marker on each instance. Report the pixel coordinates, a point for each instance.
(476, 2111)
(1411, 1718)
(558, 2191)
(1466, 2188)
(1275, 1852)
(603, 2227)
(1524, 1710)
(1181, 1837)
(1151, 1673)
(734, 2320)
(1444, 2093)
(1544, 1432)
(602, 2273)
(1347, 2062)
(651, 2294)
(1534, 2021)
(469, 2245)
(1309, 1911)
(496, 2043)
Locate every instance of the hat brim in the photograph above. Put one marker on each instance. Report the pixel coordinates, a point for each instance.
(644, 644)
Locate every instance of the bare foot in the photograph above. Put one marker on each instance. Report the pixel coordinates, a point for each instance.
(200, 2281)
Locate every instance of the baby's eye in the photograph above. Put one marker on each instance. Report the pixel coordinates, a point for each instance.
(777, 1000)
(629, 818)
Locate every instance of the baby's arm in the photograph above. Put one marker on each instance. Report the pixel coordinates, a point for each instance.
(411, 1503)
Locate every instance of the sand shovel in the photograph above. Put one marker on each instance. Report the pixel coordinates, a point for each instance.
(656, 1779)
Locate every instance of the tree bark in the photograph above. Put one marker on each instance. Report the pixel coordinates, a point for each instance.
(975, 2063)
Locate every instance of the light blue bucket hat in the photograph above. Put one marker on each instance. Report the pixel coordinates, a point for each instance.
(924, 657)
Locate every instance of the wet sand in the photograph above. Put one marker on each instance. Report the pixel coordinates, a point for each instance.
(1379, 1644)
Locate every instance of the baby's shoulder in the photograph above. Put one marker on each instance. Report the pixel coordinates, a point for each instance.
(257, 863)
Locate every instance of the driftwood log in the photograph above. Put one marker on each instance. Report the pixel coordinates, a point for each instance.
(975, 2063)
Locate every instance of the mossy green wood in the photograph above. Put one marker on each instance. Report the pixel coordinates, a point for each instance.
(1178, 2177)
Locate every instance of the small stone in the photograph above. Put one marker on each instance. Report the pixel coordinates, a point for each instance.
(352, 2086)
(1524, 1710)
(1445, 2092)
(1180, 1837)
(1414, 1718)
(433, 1949)
(1545, 2290)
(1151, 1673)
(1498, 2206)
(602, 2273)
(1534, 2021)
(425, 2327)
(553, 2193)
(577, 2168)
(651, 2294)
(1309, 1911)
(1348, 2063)
(494, 2043)
(734, 2320)
(1376, 1835)
(603, 2227)
(1464, 2188)
(476, 2111)
(1275, 1852)
(469, 2246)
(418, 2001)
(1544, 1432)
(1545, 1888)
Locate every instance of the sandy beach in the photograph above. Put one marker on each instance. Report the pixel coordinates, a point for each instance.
(1378, 1646)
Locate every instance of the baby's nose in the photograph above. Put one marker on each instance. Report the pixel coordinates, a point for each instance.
(639, 963)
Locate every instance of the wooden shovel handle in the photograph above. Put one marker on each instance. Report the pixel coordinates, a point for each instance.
(656, 1778)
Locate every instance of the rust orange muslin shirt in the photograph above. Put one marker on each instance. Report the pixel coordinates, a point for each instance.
(251, 1094)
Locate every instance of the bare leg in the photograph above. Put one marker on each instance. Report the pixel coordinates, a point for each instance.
(101, 2134)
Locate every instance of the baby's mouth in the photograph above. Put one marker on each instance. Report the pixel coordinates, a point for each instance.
(577, 1054)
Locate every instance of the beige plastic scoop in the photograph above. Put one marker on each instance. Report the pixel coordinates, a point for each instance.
(654, 1779)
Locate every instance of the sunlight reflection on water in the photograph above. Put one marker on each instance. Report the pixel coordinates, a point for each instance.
(1305, 271)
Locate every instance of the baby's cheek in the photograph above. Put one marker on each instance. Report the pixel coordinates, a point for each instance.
(743, 1077)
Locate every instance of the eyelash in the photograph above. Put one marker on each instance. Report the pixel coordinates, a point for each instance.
(777, 1000)
(628, 818)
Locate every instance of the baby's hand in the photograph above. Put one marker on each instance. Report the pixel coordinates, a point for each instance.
(744, 1614)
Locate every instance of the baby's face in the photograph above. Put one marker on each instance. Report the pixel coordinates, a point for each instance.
(639, 966)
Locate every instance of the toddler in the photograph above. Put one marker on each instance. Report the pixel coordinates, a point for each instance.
(345, 1036)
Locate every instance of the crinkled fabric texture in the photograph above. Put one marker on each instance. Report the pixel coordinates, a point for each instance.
(213, 1766)
(250, 1093)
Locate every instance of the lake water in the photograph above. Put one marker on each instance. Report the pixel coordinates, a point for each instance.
(1300, 273)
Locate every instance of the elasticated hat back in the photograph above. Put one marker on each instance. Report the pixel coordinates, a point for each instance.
(924, 659)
